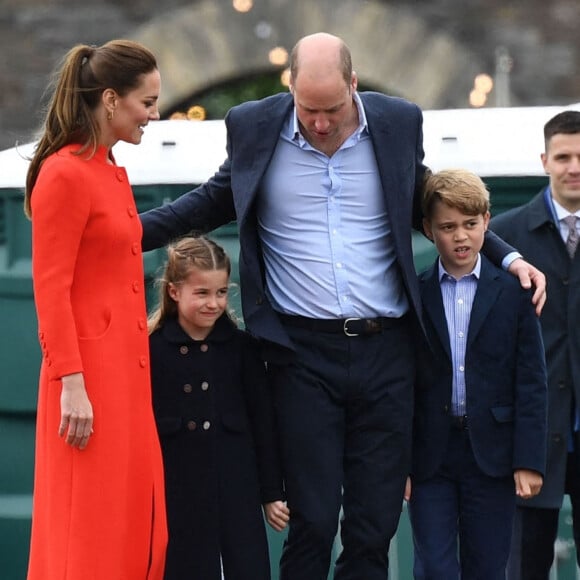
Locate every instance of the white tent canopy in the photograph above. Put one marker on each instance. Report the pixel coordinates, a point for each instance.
(489, 141)
(185, 152)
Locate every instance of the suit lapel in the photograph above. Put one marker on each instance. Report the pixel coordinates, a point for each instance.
(487, 292)
(385, 153)
(263, 133)
(486, 295)
(433, 306)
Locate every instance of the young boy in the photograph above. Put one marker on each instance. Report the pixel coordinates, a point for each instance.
(480, 416)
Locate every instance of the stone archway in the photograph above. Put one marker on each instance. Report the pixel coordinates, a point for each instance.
(209, 43)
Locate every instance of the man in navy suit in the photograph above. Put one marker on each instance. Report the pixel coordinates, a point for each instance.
(481, 397)
(324, 184)
(540, 231)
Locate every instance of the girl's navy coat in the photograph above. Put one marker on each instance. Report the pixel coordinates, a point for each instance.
(217, 432)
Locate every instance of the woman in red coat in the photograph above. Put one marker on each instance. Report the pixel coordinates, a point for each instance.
(99, 511)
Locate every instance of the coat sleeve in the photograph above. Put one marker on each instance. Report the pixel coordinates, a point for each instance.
(60, 211)
(531, 391)
(263, 423)
(495, 249)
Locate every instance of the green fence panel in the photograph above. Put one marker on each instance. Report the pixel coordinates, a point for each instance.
(20, 362)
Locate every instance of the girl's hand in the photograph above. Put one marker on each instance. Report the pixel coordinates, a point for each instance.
(277, 514)
(407, 495)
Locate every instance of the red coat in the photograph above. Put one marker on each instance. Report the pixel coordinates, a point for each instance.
(99, 513)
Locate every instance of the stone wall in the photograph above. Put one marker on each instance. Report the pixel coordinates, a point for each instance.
(540, 36)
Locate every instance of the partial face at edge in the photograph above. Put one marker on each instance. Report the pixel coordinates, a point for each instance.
(561, 162)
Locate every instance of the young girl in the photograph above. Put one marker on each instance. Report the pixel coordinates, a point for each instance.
(215, 423)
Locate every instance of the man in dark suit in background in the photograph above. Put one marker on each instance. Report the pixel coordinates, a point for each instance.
(541, 230)
(325, 185)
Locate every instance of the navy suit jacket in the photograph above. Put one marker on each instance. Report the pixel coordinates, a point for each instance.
(531, 228)
(505, 379)
(253, 129)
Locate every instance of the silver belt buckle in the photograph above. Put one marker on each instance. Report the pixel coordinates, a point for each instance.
(345, 327)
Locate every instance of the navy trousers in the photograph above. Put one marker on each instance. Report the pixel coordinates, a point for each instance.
(344, 411)
(461, 519)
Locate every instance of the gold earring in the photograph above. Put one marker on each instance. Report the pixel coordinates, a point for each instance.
(110, 115)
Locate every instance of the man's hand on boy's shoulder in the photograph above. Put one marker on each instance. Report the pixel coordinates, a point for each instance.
(529, 277)
(528, 483)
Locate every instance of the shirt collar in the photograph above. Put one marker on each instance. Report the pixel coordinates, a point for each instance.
(292, 130)
(444, 275)
(561, 212)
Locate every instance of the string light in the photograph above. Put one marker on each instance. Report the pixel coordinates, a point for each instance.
(483, 83)
(278, 56)
(482, 86)
(477, 98)
(242, 5)
(285, 77)
(196, 113)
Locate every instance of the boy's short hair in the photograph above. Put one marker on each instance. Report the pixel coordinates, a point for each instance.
(567, 122)
(457, 188)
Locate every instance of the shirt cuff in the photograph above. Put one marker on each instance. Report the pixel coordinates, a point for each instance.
(507, 261)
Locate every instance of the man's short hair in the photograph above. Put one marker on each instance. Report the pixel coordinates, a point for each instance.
(567, 122)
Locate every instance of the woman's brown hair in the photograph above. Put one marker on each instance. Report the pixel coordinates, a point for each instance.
(77, 86)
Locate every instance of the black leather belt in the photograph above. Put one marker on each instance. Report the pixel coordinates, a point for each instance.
(459, 421)
(348, 326)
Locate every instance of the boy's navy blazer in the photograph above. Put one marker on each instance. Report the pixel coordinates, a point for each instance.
(505, 378)
(253, 130)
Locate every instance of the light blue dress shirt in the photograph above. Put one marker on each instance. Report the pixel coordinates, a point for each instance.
(458, 298)
(325, 232)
